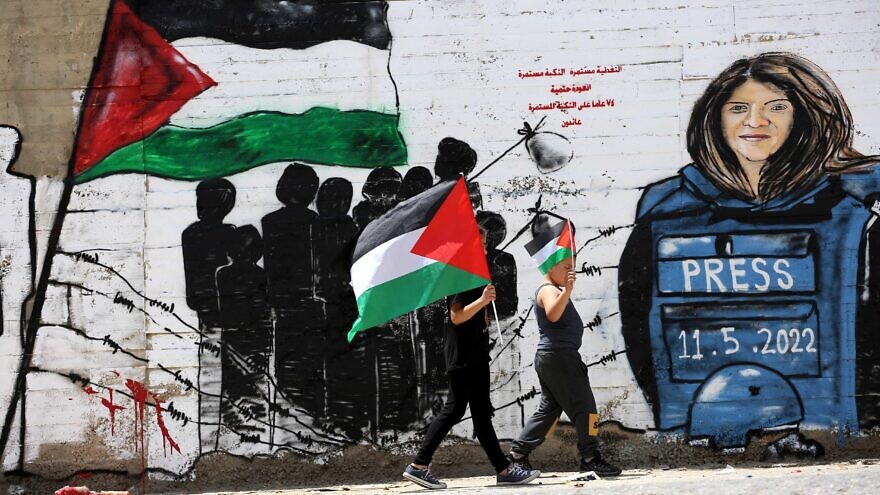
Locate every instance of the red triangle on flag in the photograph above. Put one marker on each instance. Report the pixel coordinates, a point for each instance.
(452, 236)
(140, 80)
(566, 238)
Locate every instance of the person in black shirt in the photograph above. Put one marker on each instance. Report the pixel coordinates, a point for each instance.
(466, 346)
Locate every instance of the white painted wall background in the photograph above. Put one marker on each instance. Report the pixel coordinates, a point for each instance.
(455, 65)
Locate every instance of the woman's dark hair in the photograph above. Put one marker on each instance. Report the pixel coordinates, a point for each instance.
(820, 141)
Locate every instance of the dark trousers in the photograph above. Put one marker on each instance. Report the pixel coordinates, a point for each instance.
(565, 386)
(466, 386)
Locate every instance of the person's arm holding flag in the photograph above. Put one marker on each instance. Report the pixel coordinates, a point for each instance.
(460, 313)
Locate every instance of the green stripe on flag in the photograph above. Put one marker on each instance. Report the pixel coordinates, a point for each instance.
(560, 255)
(321, 136)
(409, 292)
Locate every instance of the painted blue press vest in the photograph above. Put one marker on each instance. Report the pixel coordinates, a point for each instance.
(753, 308)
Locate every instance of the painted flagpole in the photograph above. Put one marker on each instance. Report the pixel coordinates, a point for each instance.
(571, 239)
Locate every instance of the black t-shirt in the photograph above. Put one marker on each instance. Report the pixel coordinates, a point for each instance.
(467, 345)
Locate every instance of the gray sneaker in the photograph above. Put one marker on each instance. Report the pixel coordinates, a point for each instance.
(517, 476)
(423, 477)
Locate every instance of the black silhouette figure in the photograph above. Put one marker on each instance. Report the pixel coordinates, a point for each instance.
(350, 391)
(287, 233)
(299, 339)
(380, 195)
(454, 159)
(247, 329)
(389, 348)
(417, 180)
(502, 265)
(204, 244)
(333, 232)
(397, 385)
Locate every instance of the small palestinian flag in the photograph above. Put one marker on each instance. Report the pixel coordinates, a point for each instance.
(426, 248)
(192, 90)
(552, 246)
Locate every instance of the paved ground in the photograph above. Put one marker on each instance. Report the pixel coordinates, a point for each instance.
(850, 477)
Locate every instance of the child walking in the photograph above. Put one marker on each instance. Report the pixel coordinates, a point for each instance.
(466, 346)
(565, 384)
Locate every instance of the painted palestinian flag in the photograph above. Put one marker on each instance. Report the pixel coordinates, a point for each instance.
(194, 90)
(552, 246)
(426, 248)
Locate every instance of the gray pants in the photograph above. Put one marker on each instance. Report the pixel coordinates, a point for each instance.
(565, 386)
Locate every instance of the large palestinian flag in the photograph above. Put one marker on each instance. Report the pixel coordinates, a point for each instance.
(424, 249)
(552, 246)
(192, 89)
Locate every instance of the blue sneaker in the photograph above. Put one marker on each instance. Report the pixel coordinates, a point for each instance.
(517, 476)
(522, 462)
(423, 477)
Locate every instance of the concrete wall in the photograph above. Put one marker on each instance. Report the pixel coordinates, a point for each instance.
(116, 355)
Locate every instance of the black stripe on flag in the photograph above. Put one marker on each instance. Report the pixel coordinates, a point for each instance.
(544, 236)
(268, 23)
(409, 215)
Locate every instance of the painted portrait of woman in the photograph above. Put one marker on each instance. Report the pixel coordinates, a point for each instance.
(748, 288)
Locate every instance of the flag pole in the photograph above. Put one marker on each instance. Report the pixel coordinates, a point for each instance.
(497, 323)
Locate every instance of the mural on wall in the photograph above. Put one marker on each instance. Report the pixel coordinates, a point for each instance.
(747, 289)
(174, 95)
(15, 256)
(194, 126)
(184, 288)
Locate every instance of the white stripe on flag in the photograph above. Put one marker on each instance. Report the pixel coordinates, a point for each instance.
(541, 256)
(344, 75)
(391, 259)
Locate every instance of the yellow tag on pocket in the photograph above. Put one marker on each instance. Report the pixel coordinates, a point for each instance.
(594, 425)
